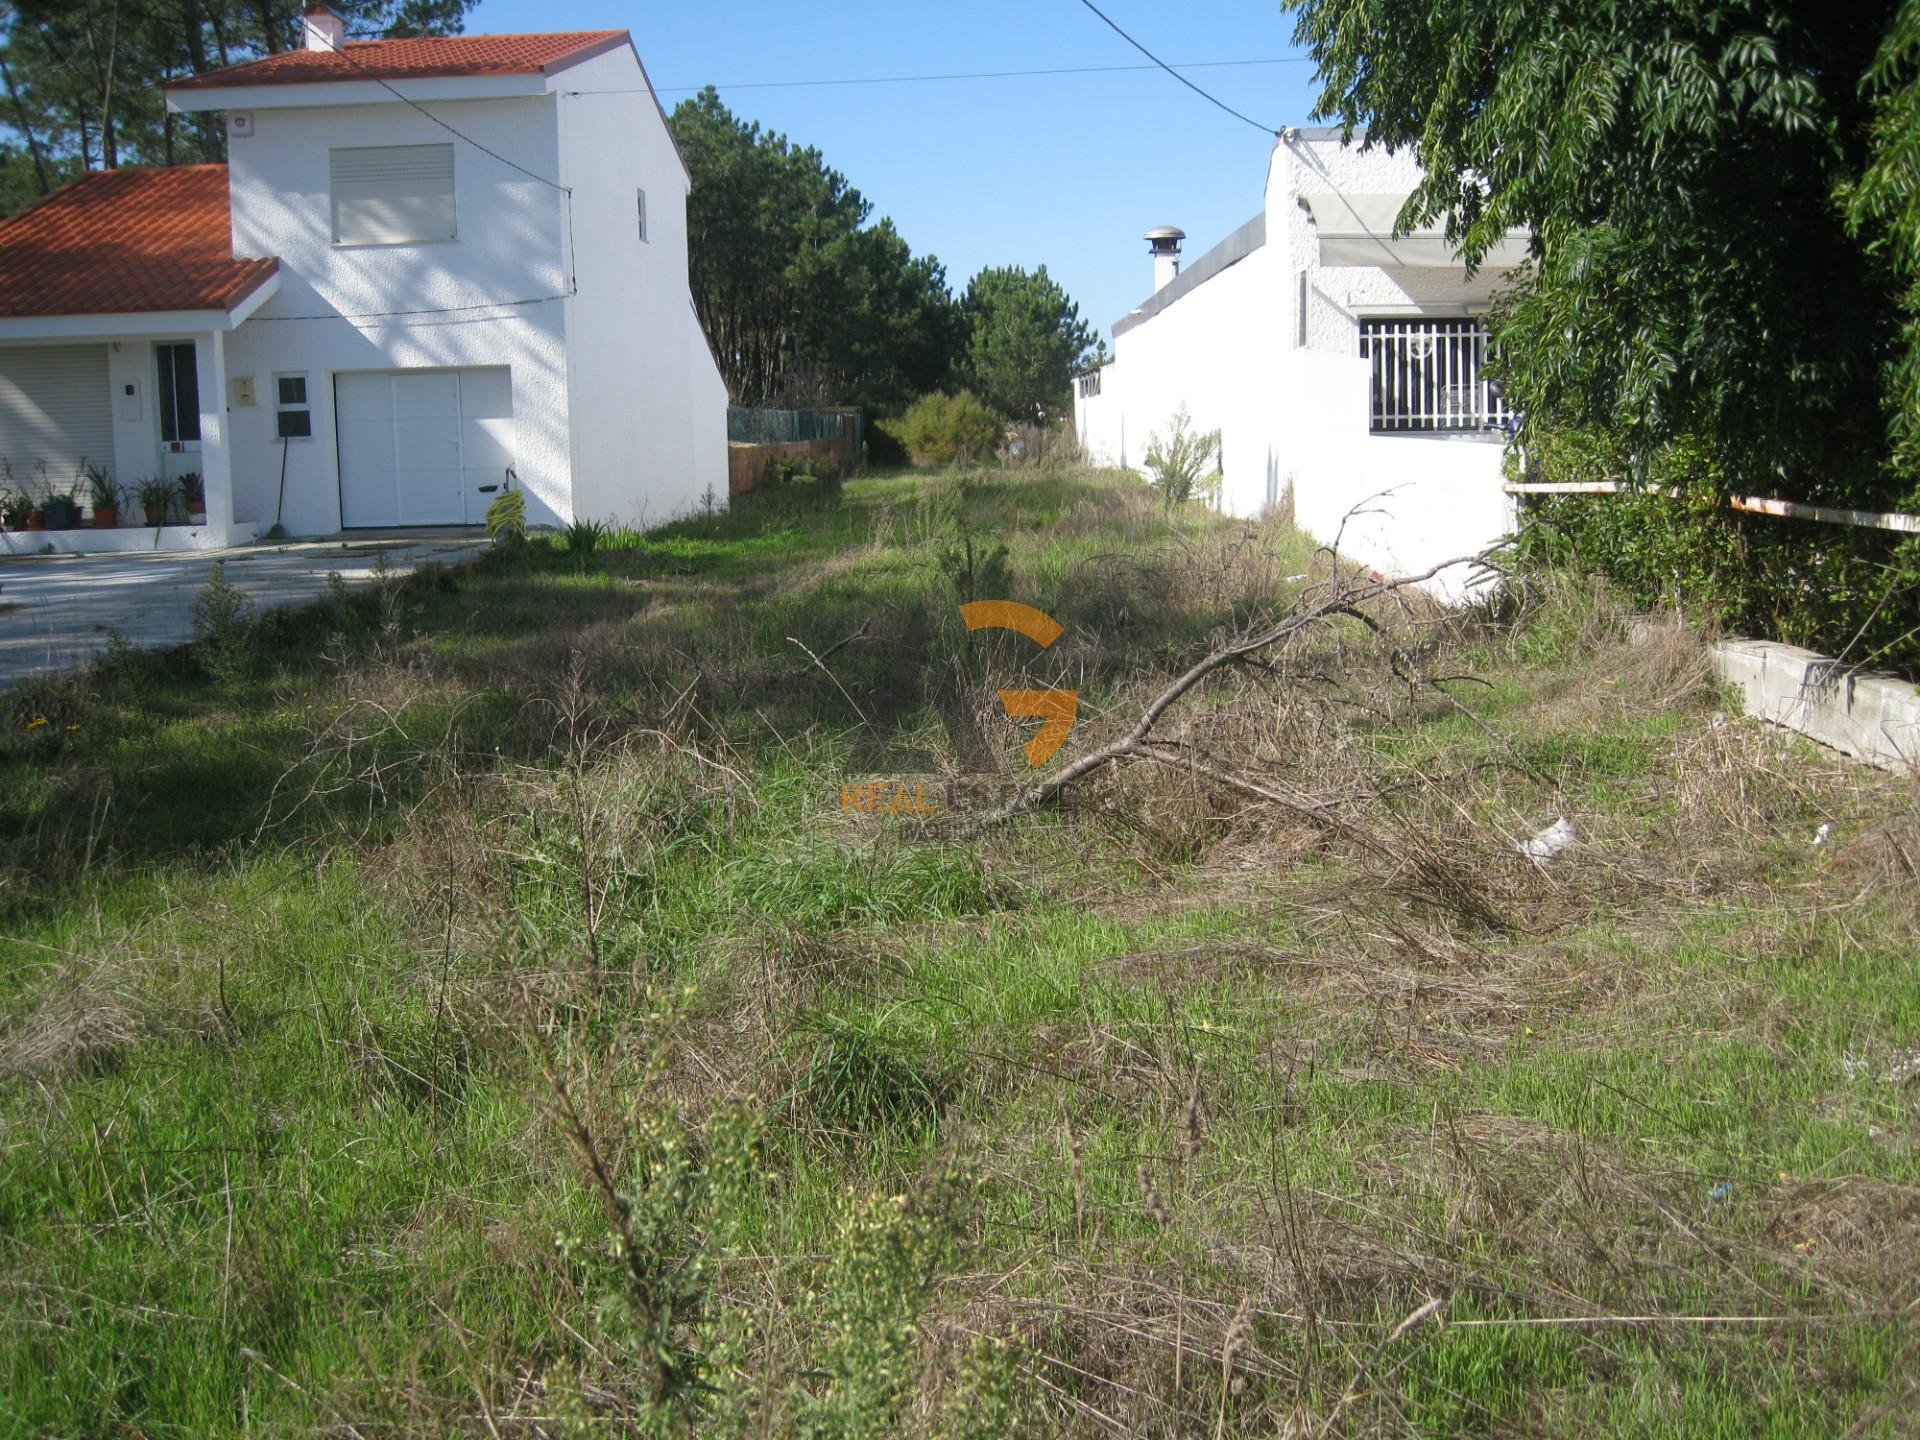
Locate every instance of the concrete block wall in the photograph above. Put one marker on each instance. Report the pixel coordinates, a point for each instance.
(1875, 718)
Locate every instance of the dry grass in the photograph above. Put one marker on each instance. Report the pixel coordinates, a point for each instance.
(1290, 1097)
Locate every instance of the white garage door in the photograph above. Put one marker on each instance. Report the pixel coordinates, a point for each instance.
(56, 406)
(422, 447)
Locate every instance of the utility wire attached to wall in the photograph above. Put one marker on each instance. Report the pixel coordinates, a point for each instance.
(566, 200)
(1204, 95)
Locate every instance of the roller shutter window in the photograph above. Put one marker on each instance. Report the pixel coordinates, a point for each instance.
(392, 194)
(56, 405)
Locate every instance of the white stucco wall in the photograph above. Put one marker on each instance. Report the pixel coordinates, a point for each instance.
(1294, 417)
(510, 246)
(649, 408)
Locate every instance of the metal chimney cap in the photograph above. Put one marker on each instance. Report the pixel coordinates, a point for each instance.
(1165, 232)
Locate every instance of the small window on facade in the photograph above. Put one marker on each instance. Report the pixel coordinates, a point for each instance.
(643, 213)
(179, 393)
(392, 194)
(293, 418)
(1300, 321)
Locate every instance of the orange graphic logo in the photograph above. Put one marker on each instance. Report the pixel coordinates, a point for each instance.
(1055, 709)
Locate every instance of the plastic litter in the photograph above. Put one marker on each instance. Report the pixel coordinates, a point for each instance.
(1719, 720)
(1550, 841)
(1720, 1191)
(1823, 834)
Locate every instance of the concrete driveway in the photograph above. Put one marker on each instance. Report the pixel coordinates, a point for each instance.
(58, 611)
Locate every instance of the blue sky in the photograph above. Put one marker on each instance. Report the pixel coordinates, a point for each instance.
(1065, 171)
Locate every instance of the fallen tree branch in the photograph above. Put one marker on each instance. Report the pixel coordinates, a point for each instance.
(1341, 600)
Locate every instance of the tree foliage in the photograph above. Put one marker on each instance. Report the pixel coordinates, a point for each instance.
(1677, 162)
(1724, 200)
(1025, 342)
(81, 80)
(1883, 210)
(804, 301)
(808, 302)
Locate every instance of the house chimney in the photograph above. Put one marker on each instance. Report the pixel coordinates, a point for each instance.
(1164, 242)
(322, 27)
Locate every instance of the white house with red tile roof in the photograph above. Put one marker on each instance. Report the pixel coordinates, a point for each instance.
(430, 269)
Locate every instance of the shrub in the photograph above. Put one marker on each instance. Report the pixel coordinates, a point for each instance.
(1040, 447)
(948, 429)
(1184, 465)
(583, 537)
(223, 624)
(1676, 544)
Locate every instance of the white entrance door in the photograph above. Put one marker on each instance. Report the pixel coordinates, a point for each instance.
(422, 447)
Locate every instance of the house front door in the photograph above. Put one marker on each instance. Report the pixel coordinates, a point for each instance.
(178, 386)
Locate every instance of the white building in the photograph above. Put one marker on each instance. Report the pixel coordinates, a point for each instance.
(1341, 365)
(431, 268)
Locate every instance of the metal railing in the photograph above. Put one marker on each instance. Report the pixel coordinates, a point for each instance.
(1430, 375)
(1089, 384)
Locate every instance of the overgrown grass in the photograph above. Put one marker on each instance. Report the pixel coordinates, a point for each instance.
(468, 1008)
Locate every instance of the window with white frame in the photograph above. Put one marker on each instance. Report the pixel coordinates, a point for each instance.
(392, 194)
(1430, 374)
(292, 414)
(642, 197)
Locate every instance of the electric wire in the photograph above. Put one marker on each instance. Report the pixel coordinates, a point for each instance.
(961, 75)
(566, 193)
(1204, 95)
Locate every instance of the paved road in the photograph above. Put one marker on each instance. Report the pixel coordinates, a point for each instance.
(58, 611)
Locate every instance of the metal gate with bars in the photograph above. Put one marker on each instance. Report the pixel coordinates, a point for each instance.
(1430, 375)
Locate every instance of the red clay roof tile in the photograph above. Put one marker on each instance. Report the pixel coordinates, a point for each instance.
(118, 241)
(414, 59)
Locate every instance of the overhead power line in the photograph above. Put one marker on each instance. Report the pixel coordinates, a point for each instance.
(1204, 95)
(966, 75)
(566, 207)
(341, 51)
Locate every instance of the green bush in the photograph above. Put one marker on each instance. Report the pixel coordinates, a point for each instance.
(1844, 591)
(1184, 463)
(223, 621)
(948, 429)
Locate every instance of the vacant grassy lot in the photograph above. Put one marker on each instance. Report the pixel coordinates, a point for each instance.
(468, 1009)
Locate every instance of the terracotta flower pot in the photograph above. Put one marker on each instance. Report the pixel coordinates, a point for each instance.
(156, 515)
(106, 517)
(197, 517)
(37, 520)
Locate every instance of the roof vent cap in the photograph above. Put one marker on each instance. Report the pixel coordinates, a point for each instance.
(1164, 242)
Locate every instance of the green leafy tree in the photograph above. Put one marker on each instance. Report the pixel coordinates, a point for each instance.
(1883, 210)
(81, 80)
(805, 301)
(1025, 342)
(1676, 162)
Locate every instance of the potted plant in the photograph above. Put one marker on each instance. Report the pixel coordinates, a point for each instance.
(154, 495)
(193, 492)
(60, 510)
(104, 494)
(15, 507)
